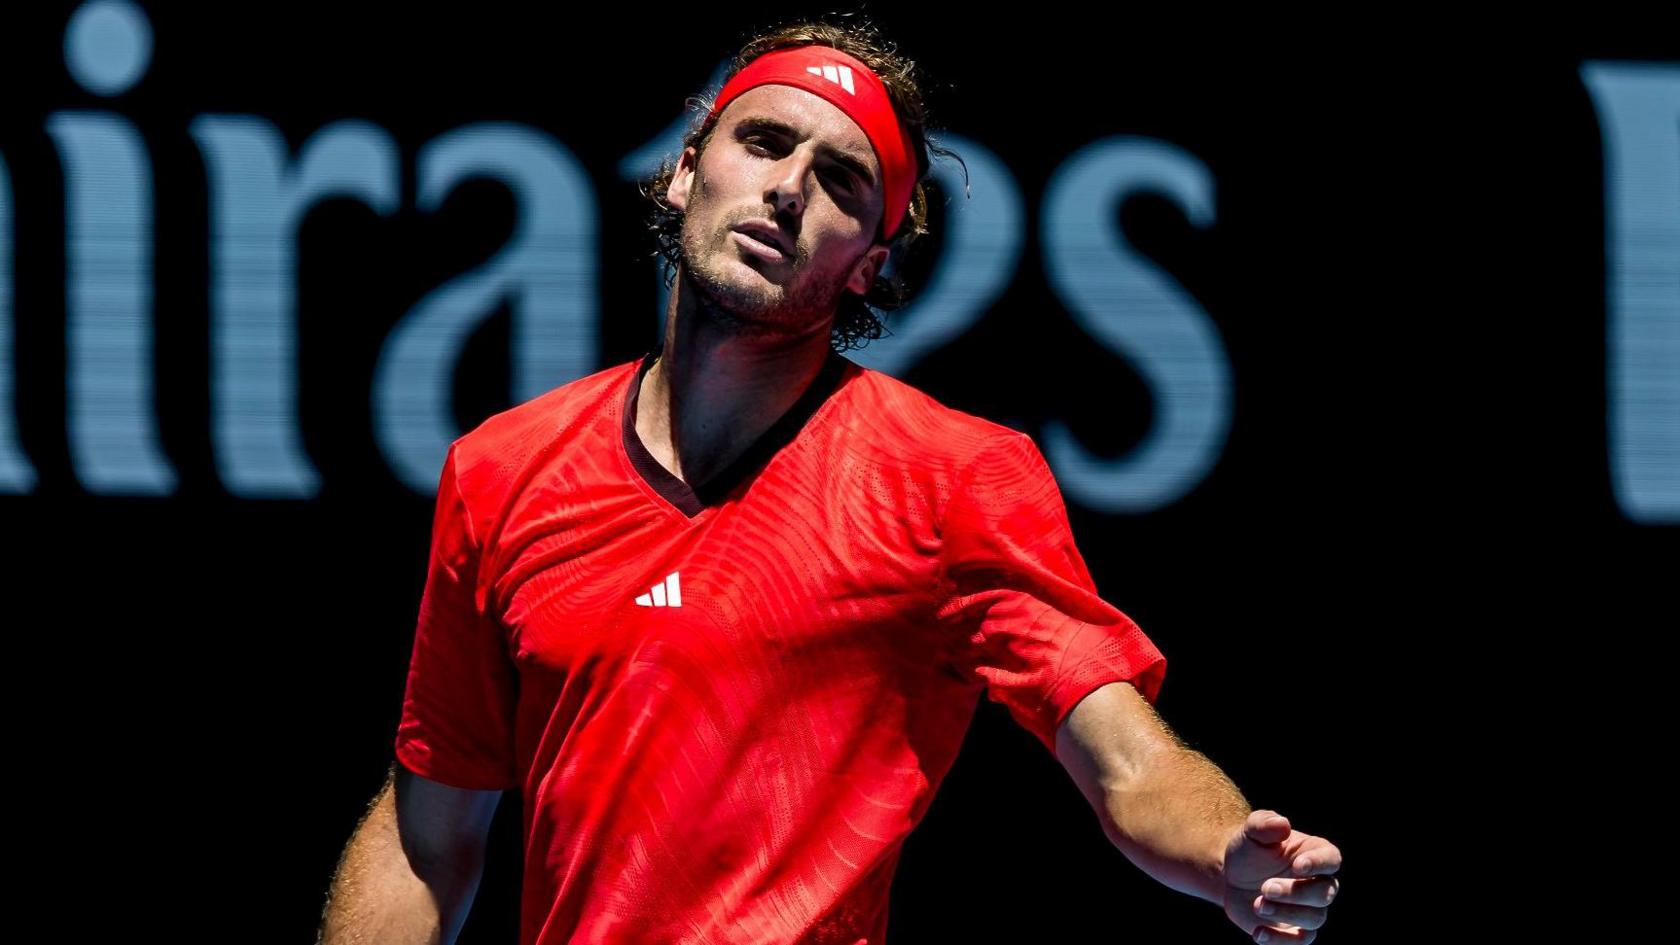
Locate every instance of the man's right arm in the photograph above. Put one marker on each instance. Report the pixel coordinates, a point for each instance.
(411, 869)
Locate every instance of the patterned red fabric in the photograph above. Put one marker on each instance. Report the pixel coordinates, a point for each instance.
(738, 757)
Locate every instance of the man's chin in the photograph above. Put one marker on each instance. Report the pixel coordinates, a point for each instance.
(743, 301)
(731, 303)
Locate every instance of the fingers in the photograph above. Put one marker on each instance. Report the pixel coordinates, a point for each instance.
(1267, 821)
(1321, 860)
(1314, 891)
(1278, 913)
(1301, 903)
(1267, 935)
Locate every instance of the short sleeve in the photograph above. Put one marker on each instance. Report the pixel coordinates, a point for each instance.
(458, 707)
(1016, 592)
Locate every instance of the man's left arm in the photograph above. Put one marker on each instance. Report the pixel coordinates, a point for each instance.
(1176, 816)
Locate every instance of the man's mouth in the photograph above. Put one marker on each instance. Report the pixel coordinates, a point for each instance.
(758, 247)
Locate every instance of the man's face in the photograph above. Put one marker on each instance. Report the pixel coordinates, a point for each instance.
(791, 162)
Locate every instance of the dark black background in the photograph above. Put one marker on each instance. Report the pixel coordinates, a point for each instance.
(1404, 609)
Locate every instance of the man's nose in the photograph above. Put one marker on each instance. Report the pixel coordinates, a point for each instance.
(786, 191)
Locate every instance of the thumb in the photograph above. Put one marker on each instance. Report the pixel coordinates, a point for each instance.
(1266, 827)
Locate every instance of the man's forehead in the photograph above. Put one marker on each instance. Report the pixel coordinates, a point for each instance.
(807, 113)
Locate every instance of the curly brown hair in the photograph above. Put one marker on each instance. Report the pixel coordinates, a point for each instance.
(855, 319)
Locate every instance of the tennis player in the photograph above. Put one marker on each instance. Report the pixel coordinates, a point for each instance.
(722, 614)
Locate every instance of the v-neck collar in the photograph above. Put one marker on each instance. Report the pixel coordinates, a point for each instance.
(691, 500)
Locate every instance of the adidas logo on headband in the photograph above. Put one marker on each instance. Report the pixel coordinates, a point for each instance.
(840, 75)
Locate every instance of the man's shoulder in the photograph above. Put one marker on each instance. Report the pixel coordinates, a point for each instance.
(509, 440)
(891, 410)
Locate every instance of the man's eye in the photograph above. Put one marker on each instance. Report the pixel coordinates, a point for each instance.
(754, 142)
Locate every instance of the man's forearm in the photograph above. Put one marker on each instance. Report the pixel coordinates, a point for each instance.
(1174, 818)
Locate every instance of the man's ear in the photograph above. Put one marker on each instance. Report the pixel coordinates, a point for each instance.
(676, 195)
(867, 268)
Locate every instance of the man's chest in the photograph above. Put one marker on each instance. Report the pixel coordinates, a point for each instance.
(840, 578)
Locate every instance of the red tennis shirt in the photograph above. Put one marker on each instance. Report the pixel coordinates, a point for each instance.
(726, 706)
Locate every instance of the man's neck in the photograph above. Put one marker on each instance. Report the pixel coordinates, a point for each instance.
(712, 394)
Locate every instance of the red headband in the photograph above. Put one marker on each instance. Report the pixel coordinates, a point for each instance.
(855, 90)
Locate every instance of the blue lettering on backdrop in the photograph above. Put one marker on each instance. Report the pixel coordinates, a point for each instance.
(1639, 111)
(1140, 313)
(112, 420)
(259, 194)
(107, 45)
(549, 270)
(258, 198)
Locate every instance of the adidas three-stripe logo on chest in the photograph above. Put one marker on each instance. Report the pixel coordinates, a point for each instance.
(664, 594)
